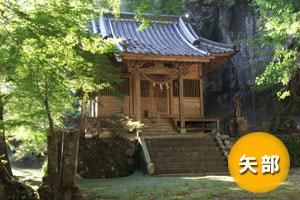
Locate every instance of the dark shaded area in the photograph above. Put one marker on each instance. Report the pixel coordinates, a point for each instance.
(292, 143)
(235, 23)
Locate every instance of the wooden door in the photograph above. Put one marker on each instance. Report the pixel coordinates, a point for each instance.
(161, 100)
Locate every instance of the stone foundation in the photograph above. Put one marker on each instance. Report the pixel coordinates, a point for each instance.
(108, 157)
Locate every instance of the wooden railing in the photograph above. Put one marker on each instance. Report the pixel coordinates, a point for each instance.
(201, 124)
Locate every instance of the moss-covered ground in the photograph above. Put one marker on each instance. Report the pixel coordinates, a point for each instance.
(141, 187)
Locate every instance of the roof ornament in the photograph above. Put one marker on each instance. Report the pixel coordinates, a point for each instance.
(190, 38)
(94, 26)
(186, 31)
(103, 31)
(126, 45)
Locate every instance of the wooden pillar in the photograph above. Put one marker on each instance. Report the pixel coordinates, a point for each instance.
(201, 91)
(181, 105)
(151, 95)
(171, 97)
(137, 96)
(98, 105)
(131, 95)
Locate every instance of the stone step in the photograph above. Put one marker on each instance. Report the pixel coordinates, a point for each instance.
(157, 125)
(158, 130)
(192, 159)
(182, 137)
(189, 143)
(183, 148)
(219, 170)
(162, 155)
(162, 122)
(159, 133)
(192, 164)
(213, 151)
(157, 120)
(185, 154)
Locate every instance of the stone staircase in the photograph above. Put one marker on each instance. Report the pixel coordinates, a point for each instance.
(183, 154)
(154, 127)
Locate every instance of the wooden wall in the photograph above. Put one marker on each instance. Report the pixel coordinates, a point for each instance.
(111, 104)
(191, 107)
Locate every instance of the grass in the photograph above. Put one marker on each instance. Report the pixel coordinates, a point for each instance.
(141, 187)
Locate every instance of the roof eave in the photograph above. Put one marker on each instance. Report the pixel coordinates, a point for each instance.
(167, 58)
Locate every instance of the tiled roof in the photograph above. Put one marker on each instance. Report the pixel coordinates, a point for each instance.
(171, 36)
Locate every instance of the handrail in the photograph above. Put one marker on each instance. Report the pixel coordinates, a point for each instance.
(150, 165)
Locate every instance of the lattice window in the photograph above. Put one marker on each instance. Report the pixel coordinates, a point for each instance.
(145, 88)
(191, 88)
(121, 88)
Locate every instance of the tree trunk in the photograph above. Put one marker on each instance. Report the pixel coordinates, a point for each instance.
(70, 146)
(49, 188)
(3, 145)
(62, 148)
(10, 188)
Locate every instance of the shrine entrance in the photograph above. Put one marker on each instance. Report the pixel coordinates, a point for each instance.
(155, 100)
(161, 100)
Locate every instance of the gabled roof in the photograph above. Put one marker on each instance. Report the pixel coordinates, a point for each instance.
(171, 36)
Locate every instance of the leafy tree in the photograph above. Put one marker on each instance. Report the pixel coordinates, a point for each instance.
(3, 145)
(50, 60)
(280, 27)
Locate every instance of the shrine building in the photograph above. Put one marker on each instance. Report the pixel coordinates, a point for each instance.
(163, 66)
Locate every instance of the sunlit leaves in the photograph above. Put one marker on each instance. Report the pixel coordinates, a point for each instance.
(48, 54)
(280, 20)
(30, 142)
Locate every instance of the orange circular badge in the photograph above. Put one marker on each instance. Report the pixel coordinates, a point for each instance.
(259, 162)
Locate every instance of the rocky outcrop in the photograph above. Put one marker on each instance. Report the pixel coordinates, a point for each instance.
(235, 23)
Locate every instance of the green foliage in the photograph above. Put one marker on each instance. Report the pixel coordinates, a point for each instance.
(123, 122)
(280, 27)
(50, 60)
(30, 142)
(156, 7)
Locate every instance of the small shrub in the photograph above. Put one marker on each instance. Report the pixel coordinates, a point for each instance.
(123, 122)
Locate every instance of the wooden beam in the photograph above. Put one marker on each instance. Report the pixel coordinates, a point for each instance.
(128, 56)
(213, 64)
(201, 91)
(137, 96)
(154, 70)
(181, 102)
(226, 54)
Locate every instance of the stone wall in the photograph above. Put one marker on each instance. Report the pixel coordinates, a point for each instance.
(108, 157)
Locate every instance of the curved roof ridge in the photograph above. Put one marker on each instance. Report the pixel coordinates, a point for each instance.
(171, 36)
(155, 17)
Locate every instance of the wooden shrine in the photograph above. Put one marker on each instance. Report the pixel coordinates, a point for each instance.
(163, 67)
